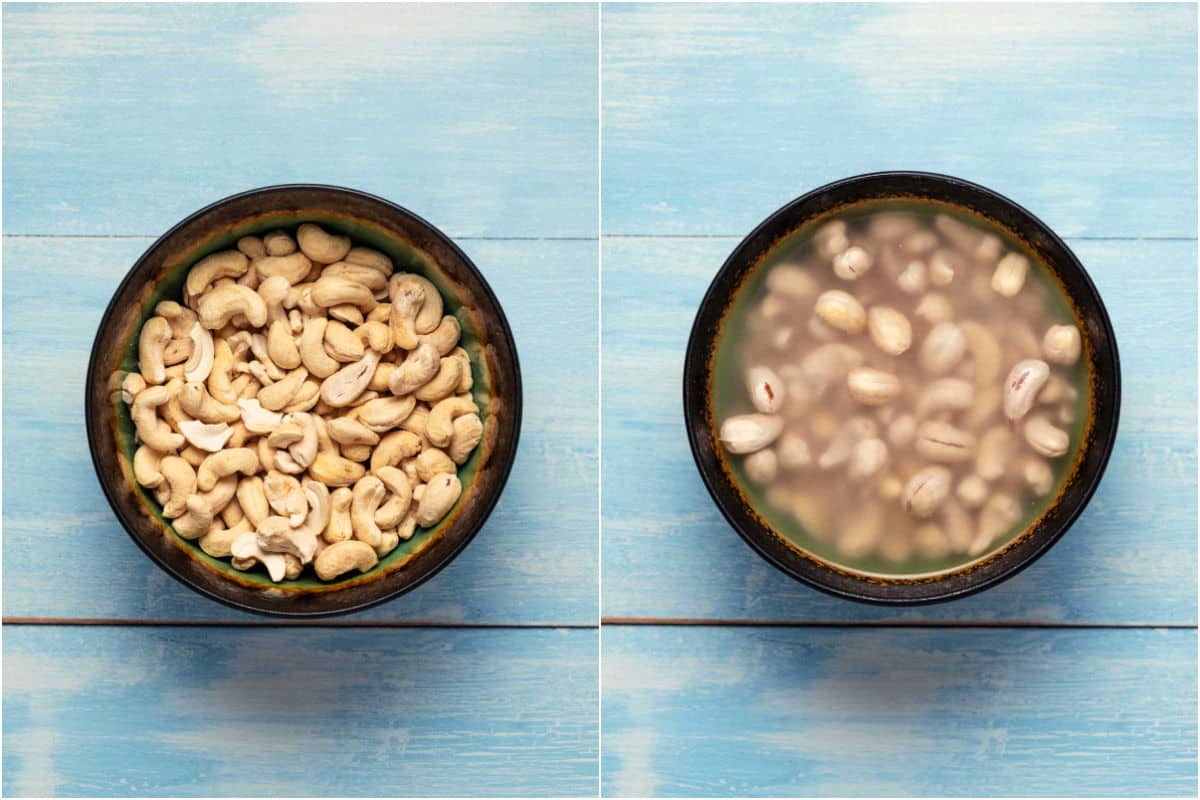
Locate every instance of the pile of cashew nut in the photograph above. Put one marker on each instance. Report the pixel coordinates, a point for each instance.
(908, 394)
(303, 404)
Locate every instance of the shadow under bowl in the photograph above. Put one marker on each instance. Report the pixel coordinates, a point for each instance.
(414, 246)
(1100, 348)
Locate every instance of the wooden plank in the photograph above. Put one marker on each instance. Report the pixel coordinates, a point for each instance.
(921, 713)
(716, 115)
(224, 712)
(125, 118)
(534, 562)
(668, 553)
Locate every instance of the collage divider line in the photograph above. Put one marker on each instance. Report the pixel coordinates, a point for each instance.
(101, 622)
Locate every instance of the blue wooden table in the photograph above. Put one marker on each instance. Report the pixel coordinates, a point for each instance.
(721, 675)
(119, 121)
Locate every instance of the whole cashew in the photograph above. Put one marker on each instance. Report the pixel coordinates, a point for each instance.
(340, 528)
(342, 344)
(346, 313)
(145, 467)
(292, 267)
(468, 430)
(385, 413)
(328, 292)
(132, 385)
(376, 335)
(319, 508)
(145, 419)
(329, 467)
(344, 386)
(369, 277)
(433, 462)
(347, 431)
(252, 497)
(251, 247)
(341, 557)
(196, 401)
(279, 243)
(440, 495)
(368, 494)
(199, 364)
(430, 314)
(418, 368)
(406, 301)
(356, 452)
(394, 448)
(193, 455)
(370, 258)
(217, 543)
(181, 479)
(439, 428)
(312, 349)
(220, 495)
(181, 318)
(222, 303)
(445, 336)
(195, 523)
(443, 384)
(307, 396)
(285, 496)
(304, 451)
(177, 351)
(321, 246)
(468, 380)
(394, 509)
(152, 341)
(210, 269)
(281, 393)
(226, 462)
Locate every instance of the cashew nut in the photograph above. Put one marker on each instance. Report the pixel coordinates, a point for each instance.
(344, 386)
(196, 401)
(394, 448)
(468, 430)
(252, 497)
(421, 365)
(245, 549)
(226, 462)
(181, 479)
(439, 428)
(281, 393)
(195, 523)
(145, 467)
(321, 246)
(292, 267)
(206, 436)
(210, 269)
(145, 420)
(327, 292)
(440, 495)
(430, 313)
(342, 344)
(222, 303)
(341, 557)
(368, 494)
(443, 384)
(153, 339)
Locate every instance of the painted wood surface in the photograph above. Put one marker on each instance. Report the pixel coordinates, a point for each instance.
(148, 711)
(534, 562)
(716, 115)
(125, 118)
(668, 552)
(849, 712)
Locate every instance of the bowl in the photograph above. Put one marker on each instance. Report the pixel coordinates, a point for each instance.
(414, 246)
(1100, 350)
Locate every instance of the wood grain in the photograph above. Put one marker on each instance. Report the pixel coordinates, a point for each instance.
(716, 115)
(669, 553)
(834, 712)
(228, 712)
(122, 119)
(534, 561)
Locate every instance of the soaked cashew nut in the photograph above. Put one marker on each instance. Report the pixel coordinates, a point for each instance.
(889, 329)
(1062, 345)
(1045, 438)
(873, 387)
(842, 311)
(1022, 385)
(748, 433)
(1009, 276)
(926, 490)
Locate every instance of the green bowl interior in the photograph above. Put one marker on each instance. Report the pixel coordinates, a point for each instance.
(406, 259)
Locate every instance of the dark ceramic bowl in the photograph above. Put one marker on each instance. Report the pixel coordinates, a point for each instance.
(1100, 349)
(414, 246)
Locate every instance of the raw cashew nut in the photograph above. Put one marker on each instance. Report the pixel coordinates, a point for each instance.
(348, 431)
(208, 437)
(440, 495)
(328, 292)
(431, 462)
(217, 543)
(417, 369)
(370, 258)
(145, 419)
(443, 384)
(468, 430)
(368, 494)
(199, 364)
(258, 419)
(279, 243)
(281, 393)
(292, 267)
(152, 341)
(340, 528)
(285, 496)
(439, 428)
(196, 522)
(145, 467)
(394, 448)
(385, 413)
(344, 386)
(226, 462)
(342, 344)
(312, 349)
(275, 535)
(251, 247)
(304, 451)
(321, 246)
(181, 480)
(406, 300)
(221, 304)
(430, 313)
(195, 400)
(177, 351)
(181, 318)
(445, 336)
(369, 277)
(210, 269)
(252, 497)
(220, 384)
(396, 507)
(245, 549)
(341, 557)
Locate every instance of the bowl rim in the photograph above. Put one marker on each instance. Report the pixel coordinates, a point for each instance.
(696, 354)
(504, 471)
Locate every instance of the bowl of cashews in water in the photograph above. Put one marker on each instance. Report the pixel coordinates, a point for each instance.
(902, 388)
(303, 400)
